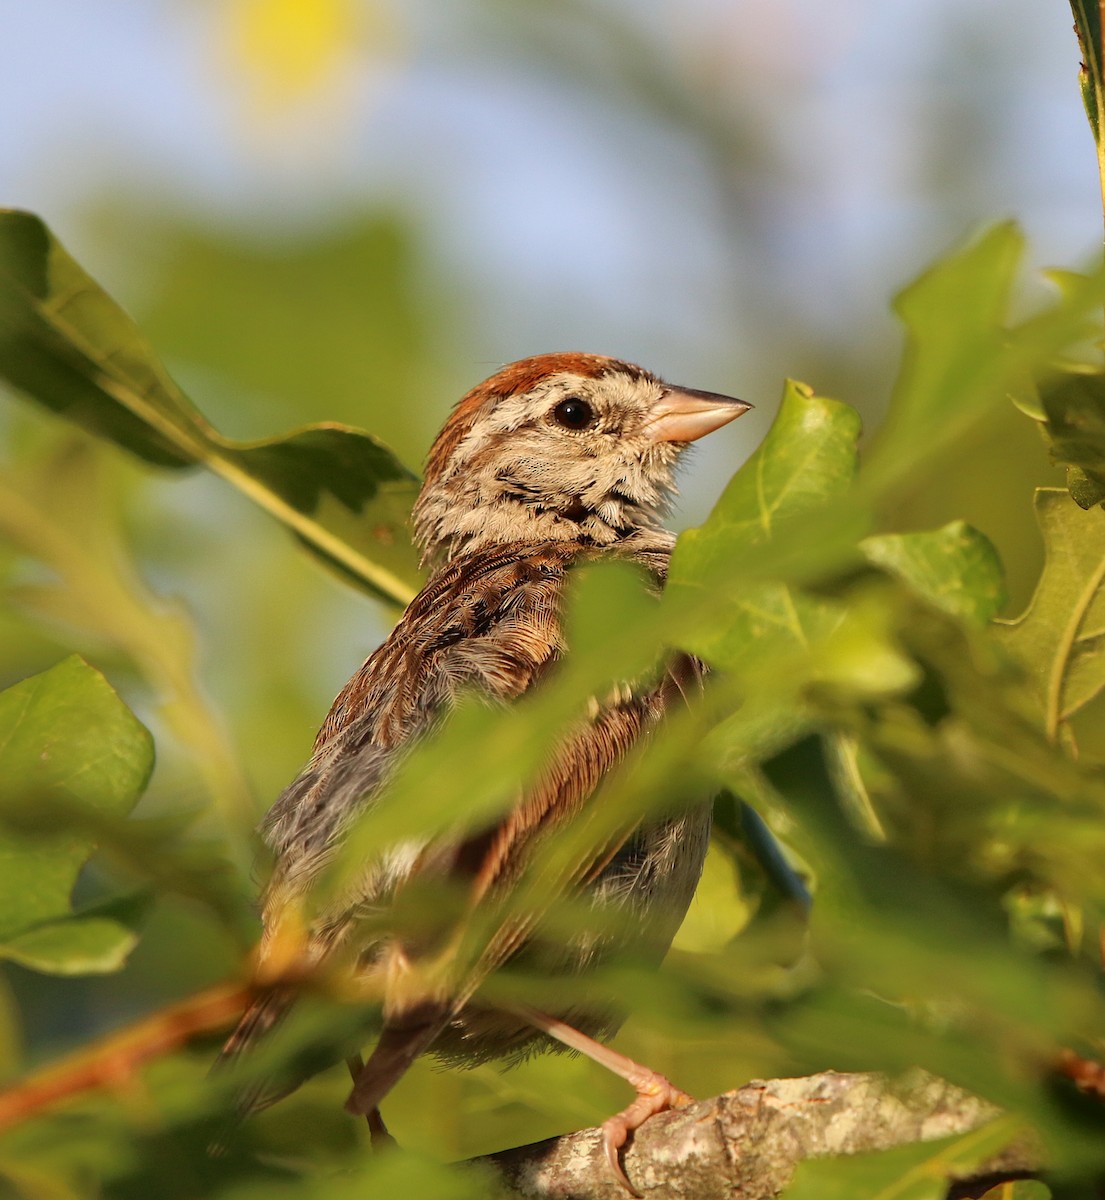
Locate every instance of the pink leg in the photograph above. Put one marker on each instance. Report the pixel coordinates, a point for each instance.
(655, 1094)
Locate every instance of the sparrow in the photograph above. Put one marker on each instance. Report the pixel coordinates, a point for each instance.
(552, 462)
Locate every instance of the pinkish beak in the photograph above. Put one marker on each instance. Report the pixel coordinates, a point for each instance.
(685, 415)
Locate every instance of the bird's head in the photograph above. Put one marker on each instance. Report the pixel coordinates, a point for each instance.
(560, 447)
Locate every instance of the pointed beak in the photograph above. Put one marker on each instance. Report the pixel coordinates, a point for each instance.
(685, 415)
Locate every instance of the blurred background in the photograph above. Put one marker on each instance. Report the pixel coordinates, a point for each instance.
(353, 210)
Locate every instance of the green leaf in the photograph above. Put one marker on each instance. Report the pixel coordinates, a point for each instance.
(1060, 638)
(78, 946)
(849, 767)
(59, 512)
(918, 1172)
(341, 492)
(956, 568)
(67, 344)
(66, 741)
(807, 459)
(719, 910)
(964, 359)
(917, 918)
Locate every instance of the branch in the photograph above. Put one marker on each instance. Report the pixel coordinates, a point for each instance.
(745, 1145)
(113, 1061)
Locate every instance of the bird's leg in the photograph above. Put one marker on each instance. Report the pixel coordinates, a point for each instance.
(377, 1130)
(655, 1093)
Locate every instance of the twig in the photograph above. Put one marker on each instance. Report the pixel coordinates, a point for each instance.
(114, 1060)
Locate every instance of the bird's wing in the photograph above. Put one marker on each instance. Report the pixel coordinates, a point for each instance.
(486, 622)
(494, 859)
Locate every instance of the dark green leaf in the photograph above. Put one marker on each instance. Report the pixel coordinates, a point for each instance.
(342, 493)
(64, 341)
(1074, 410)
(68, 345)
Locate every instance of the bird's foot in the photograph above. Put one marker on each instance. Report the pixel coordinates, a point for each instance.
(655, 1094)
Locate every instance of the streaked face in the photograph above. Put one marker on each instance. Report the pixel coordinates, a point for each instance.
(585, 447)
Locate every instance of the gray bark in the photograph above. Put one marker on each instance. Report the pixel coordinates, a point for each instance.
(745, 1144)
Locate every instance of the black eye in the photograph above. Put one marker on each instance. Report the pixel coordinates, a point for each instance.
(573, 413)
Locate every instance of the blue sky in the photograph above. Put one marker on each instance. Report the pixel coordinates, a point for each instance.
(567, 209)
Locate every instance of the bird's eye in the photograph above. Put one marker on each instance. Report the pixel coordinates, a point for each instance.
(573, 413)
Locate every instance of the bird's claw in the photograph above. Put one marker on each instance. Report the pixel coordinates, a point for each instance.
(655, 1094)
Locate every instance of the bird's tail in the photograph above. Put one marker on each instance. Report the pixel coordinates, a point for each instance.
(258, 1021)
(260, 1018)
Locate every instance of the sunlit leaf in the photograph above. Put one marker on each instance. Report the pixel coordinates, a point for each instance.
(965, 775)
(78, 946)
(956, 567)
(964, 358)
(807, 459)
(913, 924)
(65, 736)
(718, 912)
